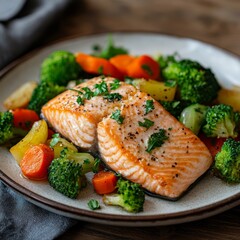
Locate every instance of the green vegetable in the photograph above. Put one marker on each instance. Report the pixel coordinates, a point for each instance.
(221, 121)
(174, 107)
(117, 116)
(109, 51)
(111, 97)
(194, 82)
(149, 106)
(100, 88)
(59, 68)
(66, 174)
(115, 84)
(93, 204)
(147, 123)
(193, 117)
(130, 196)
(227, 161)
(55, 139)
(7, 129)
(44, 92)
(156, 140)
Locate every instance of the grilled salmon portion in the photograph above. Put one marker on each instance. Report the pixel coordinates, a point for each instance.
(151, 147)
(77, 120)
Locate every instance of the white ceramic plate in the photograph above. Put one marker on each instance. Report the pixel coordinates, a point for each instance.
(210, 196)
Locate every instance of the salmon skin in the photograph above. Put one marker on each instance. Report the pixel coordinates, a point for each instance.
(123, 132)
(167, 170)
(77, 122)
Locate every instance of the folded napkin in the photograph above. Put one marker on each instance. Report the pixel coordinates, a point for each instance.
(22, 220)
(23, 23)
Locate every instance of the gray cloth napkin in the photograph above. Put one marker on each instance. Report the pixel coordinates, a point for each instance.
(22, 220)
(23, 23)
(21, 26)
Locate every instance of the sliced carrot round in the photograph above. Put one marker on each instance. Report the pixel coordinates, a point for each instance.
(104, 182)
(36, 161)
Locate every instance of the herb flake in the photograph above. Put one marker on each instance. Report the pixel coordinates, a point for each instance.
(93, 204)
(117, 116)
(147, 123)
(55, 139)
(111, 97)
(115, 84)
(156, 140)
(147, 69)
(149, 106)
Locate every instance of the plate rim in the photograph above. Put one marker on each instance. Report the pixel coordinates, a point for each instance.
(35, 198)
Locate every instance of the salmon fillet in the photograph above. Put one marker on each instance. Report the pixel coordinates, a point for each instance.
(167, 170)
(78, 123)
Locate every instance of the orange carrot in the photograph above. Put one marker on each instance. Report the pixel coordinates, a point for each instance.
(121, 62)
(24, 118)
(96, 65)
(104, 182)
(144, 67)
(36, 161)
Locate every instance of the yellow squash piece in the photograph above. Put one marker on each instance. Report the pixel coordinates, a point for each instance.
(60, 145)
(20, 97)
(230, 97)
(157, 90)
(38, 134)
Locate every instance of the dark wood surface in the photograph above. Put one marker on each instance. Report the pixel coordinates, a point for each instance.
(213, 21)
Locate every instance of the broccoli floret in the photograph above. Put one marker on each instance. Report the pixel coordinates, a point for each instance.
(194, 82)
(193, 117)
(66, 174)
(174, 107)
(227, 161)
(59, 68)
(42, 94)
(220, 122)
(130, 196)
(7, 129)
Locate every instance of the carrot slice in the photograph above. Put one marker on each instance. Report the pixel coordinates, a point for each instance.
(144, 67)
(36, 161)
(24, 118)
(96, 65)
(104, 182)
(121, 62)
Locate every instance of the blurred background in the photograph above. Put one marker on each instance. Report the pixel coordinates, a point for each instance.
(214, 21)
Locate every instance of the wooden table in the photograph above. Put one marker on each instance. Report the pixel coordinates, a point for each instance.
(212, 21)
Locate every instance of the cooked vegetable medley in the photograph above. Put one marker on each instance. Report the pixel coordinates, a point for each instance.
(186, 89)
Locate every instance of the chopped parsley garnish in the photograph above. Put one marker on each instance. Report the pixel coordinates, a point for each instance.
(117, 116)
(147, 69)
(80, 100)
(115, 84)
(55, 139)
(149, 106)
(147, 123)
(156, 140)
(88, 93)
(111, 97)
(93, 204)
(129, 80)
(96, 165)
(101, 88)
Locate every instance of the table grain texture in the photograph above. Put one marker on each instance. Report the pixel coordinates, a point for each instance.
(213, 21)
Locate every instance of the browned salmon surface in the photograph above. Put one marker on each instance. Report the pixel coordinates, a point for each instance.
(167, 170)
(77, 122)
